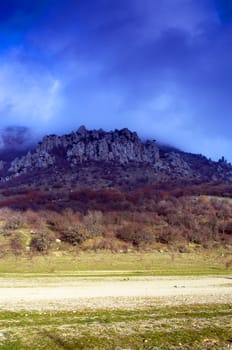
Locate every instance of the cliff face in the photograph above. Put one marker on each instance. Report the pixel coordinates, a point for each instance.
(96, 158)
(122, 146)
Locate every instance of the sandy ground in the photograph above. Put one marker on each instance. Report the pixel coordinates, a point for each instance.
(93, 293)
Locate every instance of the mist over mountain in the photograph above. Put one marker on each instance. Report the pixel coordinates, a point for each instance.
(162, 68)
(15, 141)
(15, 137)
(102, 159)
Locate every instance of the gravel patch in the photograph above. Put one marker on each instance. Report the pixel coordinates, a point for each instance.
(112, 293)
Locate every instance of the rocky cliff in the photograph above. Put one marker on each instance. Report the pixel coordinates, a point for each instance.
(122, 146)
(96, 158)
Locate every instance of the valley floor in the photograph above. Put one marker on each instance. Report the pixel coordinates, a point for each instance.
(105, 301)
(115, 313)
(68, 293)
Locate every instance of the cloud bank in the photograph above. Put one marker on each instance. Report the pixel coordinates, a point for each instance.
(160, 68)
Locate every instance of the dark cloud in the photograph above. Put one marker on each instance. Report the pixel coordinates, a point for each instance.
(162, 68)
(225, 10)
(15, 138)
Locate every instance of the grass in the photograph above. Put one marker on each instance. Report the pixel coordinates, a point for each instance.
(202, 327)
(182, 327)
(105, 263)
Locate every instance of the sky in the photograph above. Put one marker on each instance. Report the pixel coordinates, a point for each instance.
(160, 68)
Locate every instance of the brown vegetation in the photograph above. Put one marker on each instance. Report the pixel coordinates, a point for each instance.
(116, 219)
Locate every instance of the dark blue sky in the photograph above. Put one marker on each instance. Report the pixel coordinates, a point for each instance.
(162, 68)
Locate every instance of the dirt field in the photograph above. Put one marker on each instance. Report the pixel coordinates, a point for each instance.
(111, 292)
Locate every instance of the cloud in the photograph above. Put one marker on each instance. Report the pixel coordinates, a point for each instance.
(161, 68)
(29, 95)
(15, 137)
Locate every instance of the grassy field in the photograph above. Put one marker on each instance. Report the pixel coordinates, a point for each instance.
(113, 264)
(202, 327)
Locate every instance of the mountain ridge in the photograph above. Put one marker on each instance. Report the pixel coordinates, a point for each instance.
(107, 153)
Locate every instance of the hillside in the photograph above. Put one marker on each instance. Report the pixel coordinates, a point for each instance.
(97, 189)
(97, 159)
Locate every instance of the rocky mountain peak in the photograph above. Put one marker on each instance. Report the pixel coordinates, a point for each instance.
(104, 158)
(122, 146)
(82, 131)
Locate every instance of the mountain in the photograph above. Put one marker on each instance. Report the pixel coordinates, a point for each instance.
(111, 190)
(96, 159)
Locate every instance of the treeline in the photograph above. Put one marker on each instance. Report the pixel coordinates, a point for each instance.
(107, 199)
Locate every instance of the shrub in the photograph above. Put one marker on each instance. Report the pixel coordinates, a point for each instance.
(17, 243)
(75, 234)
(136, 234)
(14, 222)
(76, 231)
(41, 241)
(167, 235)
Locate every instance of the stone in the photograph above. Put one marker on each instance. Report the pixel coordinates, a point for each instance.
(119, 147)
(122, 146)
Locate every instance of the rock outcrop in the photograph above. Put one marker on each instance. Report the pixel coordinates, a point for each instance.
(97, 157)
(122, 146)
